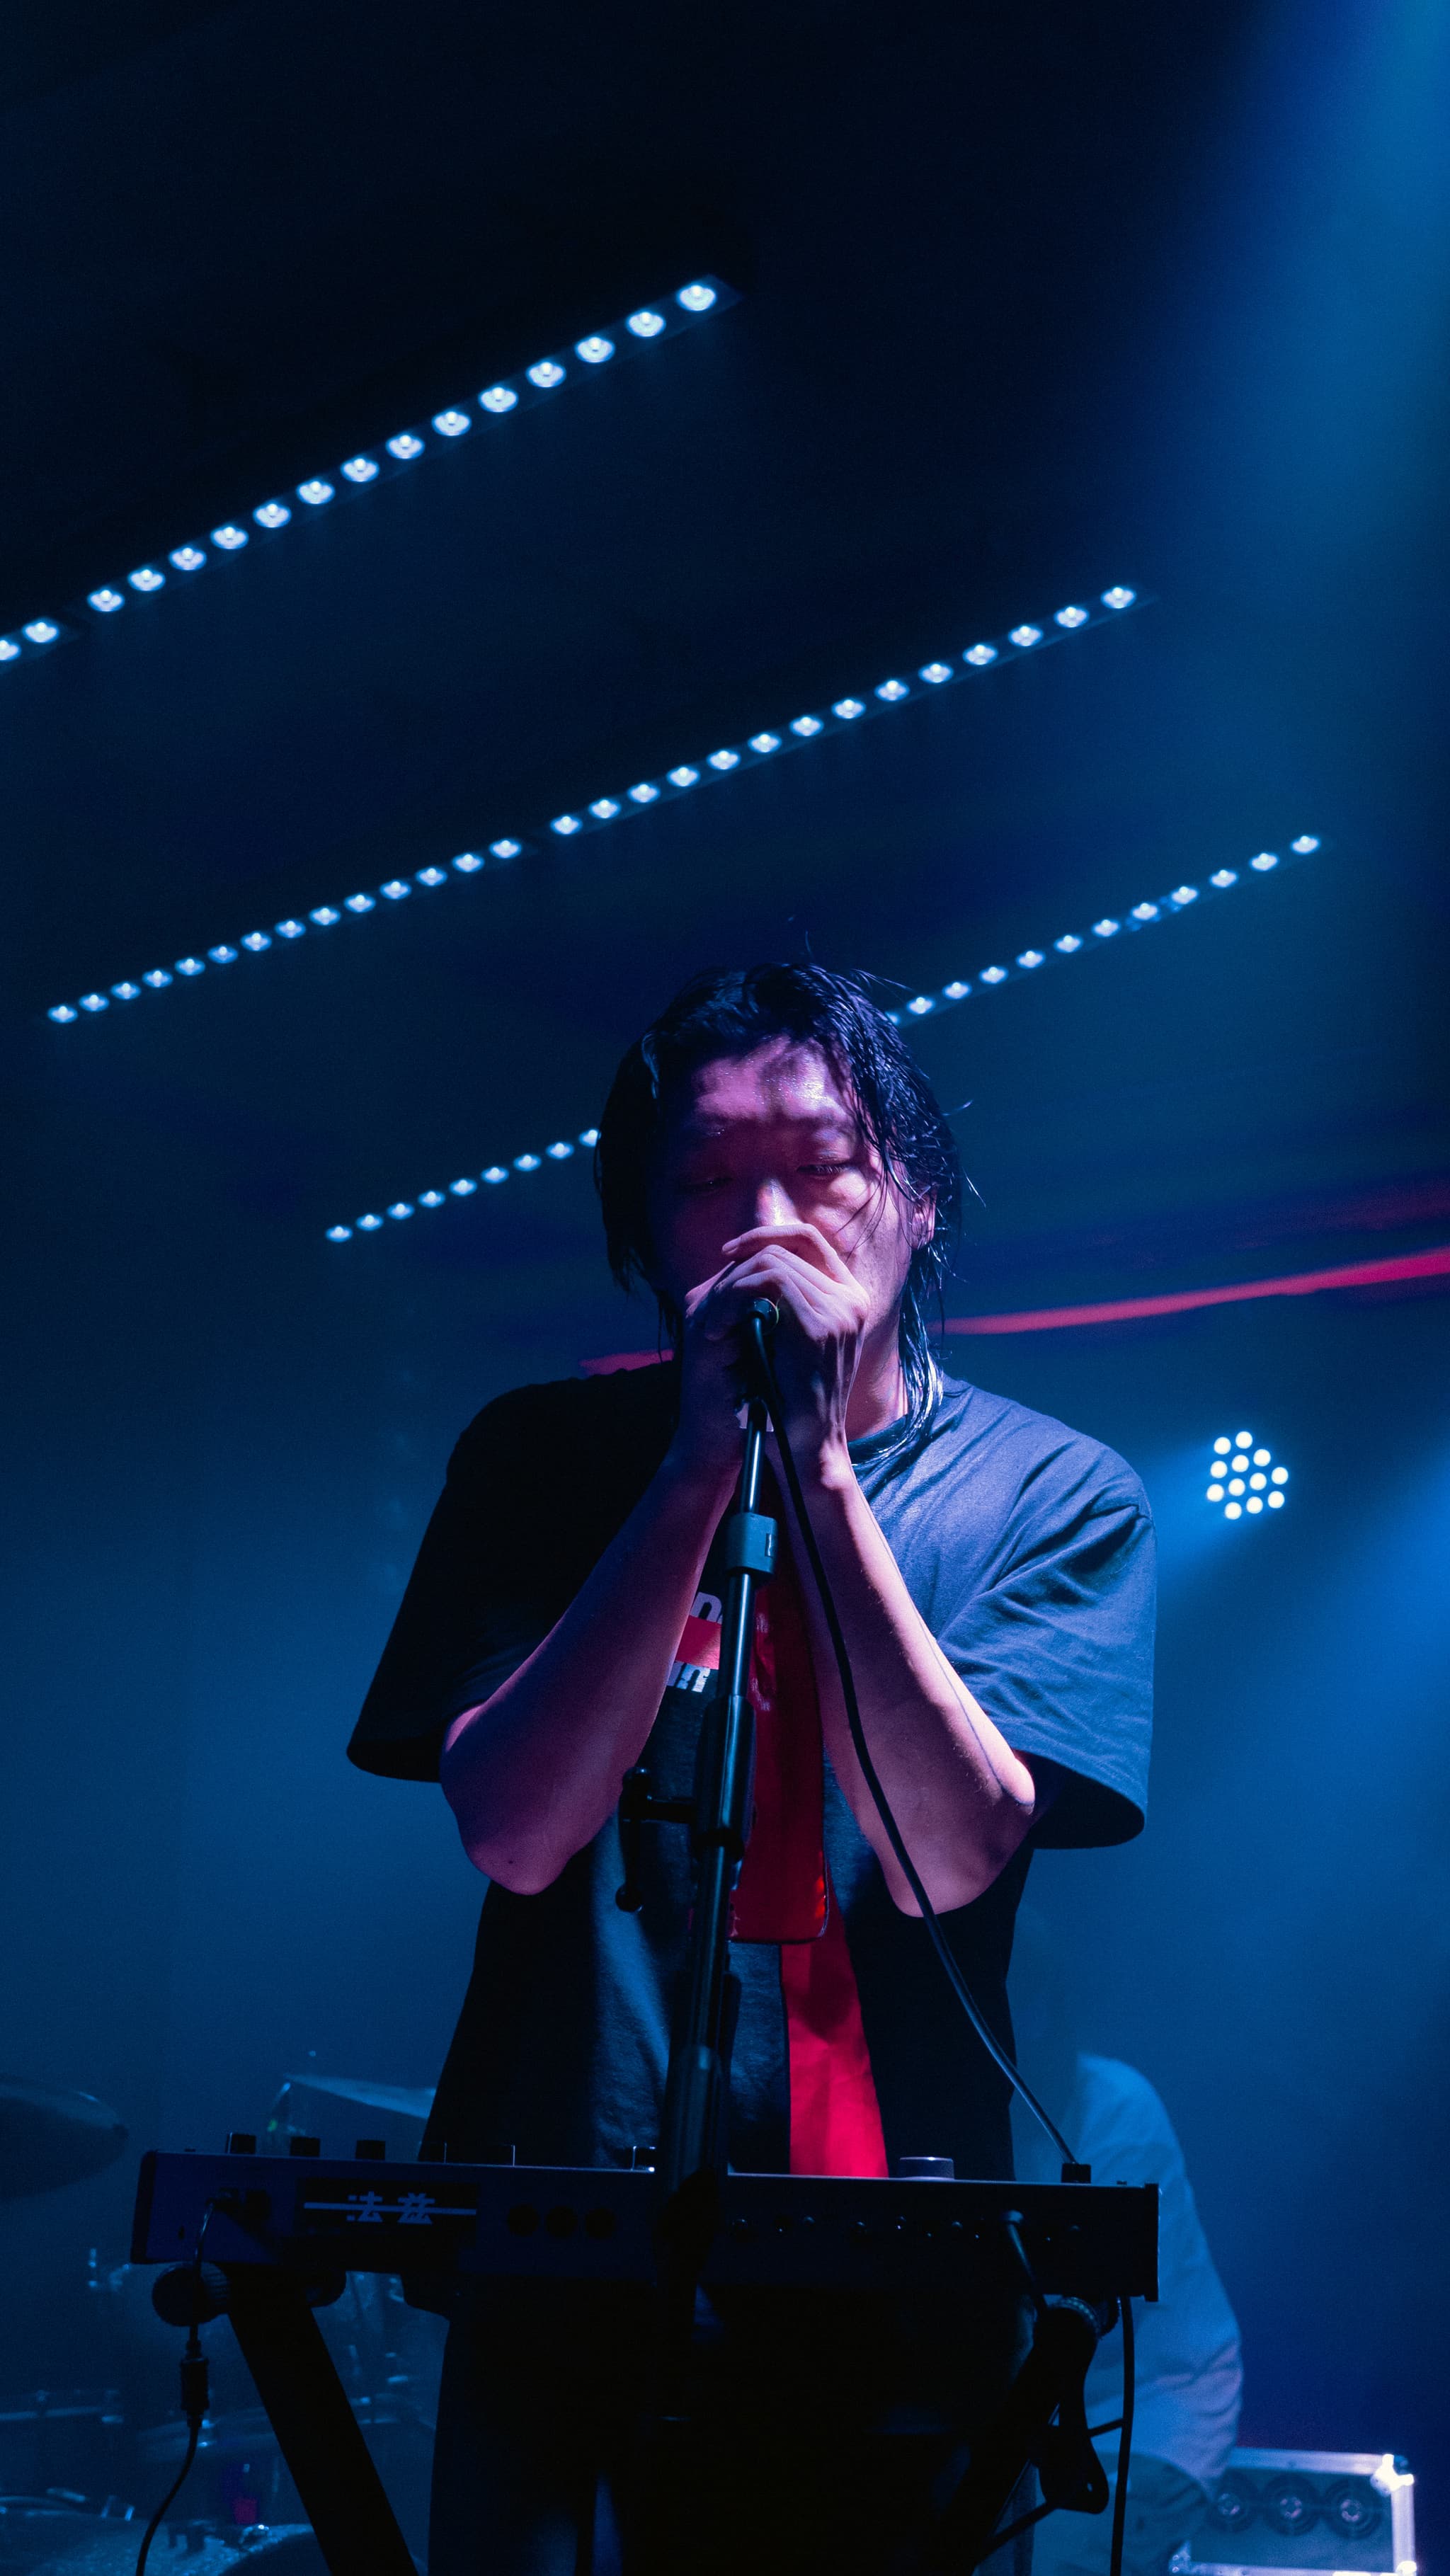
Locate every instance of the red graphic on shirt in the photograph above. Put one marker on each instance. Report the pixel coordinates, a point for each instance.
(783, 1893)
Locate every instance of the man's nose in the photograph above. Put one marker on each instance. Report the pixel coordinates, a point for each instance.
(773, 1203)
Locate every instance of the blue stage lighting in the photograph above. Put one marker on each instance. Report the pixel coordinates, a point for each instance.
(1144, 912)
(1024, 637)
(126, 992)
(290, 929)
(223, 954)
(62, 1012)
(146, 577)
(1029, 959)
(1266, 859)
(494, 1174)
(463, 1189)
(190, 966)
(596, 349)
(339, 1234)
(325, 915)
(256, 940)
(1223, 878)
(526, 1162)
(1243, 1479)
(95, 1002)
(603, 811)
(41, 630)
(1070, 617)
(1106, 929)
(157, 978)
(1119, 598)
(1305, 843)
(369, 1224)
(395, 890)
(1069, 944)
(106, 602)
(560, 1152)
(401, 1208)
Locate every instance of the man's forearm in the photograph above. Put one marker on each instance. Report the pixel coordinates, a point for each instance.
(962, 1799)
(534, 1771)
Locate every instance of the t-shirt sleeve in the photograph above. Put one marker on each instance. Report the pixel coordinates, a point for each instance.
(1057, 1648)
(466, 1620)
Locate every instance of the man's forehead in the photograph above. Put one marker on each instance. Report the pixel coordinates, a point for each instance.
(787, 1078)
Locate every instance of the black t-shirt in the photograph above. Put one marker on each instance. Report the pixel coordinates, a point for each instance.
(1028, 1551)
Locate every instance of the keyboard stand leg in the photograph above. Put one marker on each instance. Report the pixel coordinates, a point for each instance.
(318, 2434)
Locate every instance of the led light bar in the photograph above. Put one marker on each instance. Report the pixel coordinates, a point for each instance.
(1030, 961)
(673, 314)
(1098, 934)
(840, 716)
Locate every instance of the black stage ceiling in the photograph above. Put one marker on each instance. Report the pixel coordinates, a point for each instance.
(1031, 304)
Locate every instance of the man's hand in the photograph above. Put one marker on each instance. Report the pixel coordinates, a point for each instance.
(824, 1313)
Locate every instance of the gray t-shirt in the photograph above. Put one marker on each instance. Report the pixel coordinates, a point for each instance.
(1028, 1551)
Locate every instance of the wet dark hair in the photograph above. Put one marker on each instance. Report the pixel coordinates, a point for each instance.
(732, 1013)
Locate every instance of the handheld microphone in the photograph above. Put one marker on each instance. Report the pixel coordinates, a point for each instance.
(764, 1312)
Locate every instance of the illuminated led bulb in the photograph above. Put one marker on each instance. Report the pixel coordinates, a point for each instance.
(504, 850)
(188, 558)
(495, 1174)
(1025, 636)
(1306, 842)
(1119, 598)
(643, 794)
(526, 1162)
(1221, 1448)
(451, 423)
(956, 992)
(980, 655)
(1070, 617)
(107, 601)
(724, 760)
(1069, 944)
(405, 446)
(1215, 1494)
(890, 690)
(229, 537)
(696, 298)
(564, 824)
(805, 726)
(360, 469)
(765, 743)
(275, 514)
(1031, 957)
(315, 492)
(546, 374)
(499, 398)
(353, 903)
(594, 350)
(920, 1005)
(1280, 1476)
(848, 709)
(604, 809)
(684, 776)
(1223, 878)
(146, 577)
(994, 975)
(646, 325)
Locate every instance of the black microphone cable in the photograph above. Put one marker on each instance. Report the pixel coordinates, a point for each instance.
(760, 1317)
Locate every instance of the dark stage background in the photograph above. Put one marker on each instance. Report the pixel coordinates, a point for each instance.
(1032, 302)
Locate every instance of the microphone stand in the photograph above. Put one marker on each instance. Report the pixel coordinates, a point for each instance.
(691, 2161)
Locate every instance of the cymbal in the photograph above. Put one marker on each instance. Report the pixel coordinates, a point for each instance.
(49, 2137)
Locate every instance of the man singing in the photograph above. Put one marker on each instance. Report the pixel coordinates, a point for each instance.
(770, 1135)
